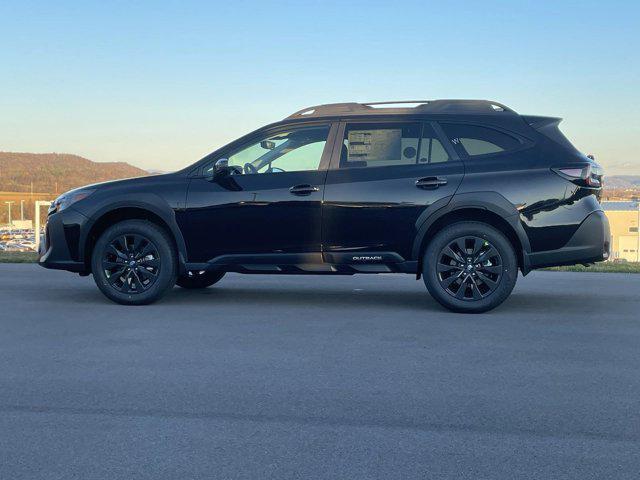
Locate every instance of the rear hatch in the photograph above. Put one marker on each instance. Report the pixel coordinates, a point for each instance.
(579, 168)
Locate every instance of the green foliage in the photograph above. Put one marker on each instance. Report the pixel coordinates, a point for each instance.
(18, 257)
(601, 267)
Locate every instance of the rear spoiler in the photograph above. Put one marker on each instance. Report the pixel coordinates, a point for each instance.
(548, 126)
(541, 122)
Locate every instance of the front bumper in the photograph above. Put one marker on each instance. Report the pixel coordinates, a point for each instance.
(590, 243)
(60, 247)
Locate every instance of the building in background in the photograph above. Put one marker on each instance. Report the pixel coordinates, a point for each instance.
(624, 220)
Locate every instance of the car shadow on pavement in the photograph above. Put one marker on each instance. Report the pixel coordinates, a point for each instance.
(267, 296)
(319, 298)
(260, 294)
(420, 302)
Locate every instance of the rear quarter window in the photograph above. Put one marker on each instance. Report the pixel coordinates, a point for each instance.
(475, 140)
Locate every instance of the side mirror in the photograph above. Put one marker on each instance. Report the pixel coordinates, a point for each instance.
(268, 144)
(220, 165)
(221, 169)
(215, 171)
(224, 175)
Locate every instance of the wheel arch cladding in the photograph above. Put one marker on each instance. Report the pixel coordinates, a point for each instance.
(477, 212)
(133, 212)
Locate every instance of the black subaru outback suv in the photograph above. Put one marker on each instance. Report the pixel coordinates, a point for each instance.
(463, 193)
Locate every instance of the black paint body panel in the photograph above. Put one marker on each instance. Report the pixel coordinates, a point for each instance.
(258, 216)
(365, 213)
(232, 224)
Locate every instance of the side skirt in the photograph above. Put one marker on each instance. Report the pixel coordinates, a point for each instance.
(308, 264)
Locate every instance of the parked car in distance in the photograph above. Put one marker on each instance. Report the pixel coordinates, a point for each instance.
(463, 193)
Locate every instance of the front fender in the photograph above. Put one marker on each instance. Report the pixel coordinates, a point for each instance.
(145, 201)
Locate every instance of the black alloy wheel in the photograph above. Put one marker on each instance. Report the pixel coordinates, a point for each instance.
(131, 263)
(469, 268)
(134, 262)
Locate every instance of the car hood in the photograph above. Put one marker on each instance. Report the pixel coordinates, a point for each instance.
(120, 182)
(115, 184)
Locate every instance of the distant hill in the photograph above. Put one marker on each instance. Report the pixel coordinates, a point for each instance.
(57, 172)
(622, 181)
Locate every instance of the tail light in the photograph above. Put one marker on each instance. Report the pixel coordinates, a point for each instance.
(589, 175)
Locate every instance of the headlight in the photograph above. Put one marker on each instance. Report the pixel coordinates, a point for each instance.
(69, 198)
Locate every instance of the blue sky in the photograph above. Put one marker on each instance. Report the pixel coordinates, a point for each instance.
(160, 84)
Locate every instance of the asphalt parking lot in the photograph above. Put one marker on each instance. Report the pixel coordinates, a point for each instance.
(361, 377)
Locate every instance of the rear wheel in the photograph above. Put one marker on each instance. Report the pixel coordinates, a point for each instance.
(196, 280)
(134, 262)
(470, 267)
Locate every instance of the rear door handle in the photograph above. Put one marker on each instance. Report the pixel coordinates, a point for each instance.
(302, 190)
(431, 183)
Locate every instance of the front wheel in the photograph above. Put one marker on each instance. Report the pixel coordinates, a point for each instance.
(134, 262)
(470, 267)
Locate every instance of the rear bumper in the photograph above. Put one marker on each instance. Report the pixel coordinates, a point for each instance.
(59, 246)
(589, 244)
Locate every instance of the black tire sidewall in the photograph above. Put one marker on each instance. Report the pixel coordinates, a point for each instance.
(482, 230)
(168, 263)
(198, 281)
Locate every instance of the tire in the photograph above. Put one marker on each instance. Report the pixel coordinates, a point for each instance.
(489, 280)
(154, 268)
(198, 280)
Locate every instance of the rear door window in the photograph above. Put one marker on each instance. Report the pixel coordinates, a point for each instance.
(476, 140)
(380, 145)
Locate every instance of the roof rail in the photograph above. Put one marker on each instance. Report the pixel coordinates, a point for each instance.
(421, 106)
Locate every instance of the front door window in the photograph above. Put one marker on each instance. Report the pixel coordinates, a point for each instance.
(291, 151)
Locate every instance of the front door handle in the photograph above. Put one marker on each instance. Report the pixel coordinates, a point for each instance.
(431, 183)
(302, 190)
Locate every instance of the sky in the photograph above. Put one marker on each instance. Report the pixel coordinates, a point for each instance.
(159, 84)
